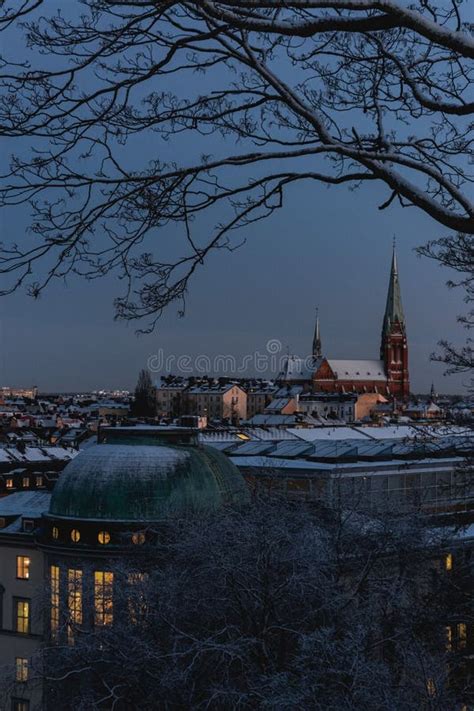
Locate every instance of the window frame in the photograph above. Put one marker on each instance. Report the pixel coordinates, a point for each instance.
(23, 566)
(16, 618)
(21, 670)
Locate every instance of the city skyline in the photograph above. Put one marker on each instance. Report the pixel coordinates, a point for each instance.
(345, 278)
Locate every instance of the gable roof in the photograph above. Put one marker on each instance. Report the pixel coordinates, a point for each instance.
(358, 369)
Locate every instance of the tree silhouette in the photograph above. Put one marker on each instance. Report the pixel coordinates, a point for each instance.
(273, 93)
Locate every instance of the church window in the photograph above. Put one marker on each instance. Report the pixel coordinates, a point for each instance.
(75, 535)
(103, 597)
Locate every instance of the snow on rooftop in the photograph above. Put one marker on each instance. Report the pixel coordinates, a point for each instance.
(328, 433)
(358, 369)
(25, 503)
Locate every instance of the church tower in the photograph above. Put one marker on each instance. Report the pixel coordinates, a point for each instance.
(317, 352)
(394, 347)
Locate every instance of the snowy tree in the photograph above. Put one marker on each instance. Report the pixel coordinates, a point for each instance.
(276, 606)
(272, 94)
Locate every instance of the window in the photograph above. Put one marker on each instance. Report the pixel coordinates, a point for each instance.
(23, 567)
(74, 601)
(103, 597)
(103, 537)
(28, 525)
(21, 622)
(449, 639)
(20, 705)
(137, 602)
(75, 535)
(55, 532)
(431, 688)
(461, 630)
(448, 561)
(21, 669)
(54, 583)
(39, 481)
(138, 538)
(9, 483)
(25, 482)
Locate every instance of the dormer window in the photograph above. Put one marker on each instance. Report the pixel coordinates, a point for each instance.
(28, 525)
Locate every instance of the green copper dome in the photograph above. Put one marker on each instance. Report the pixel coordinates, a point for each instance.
(140, 483)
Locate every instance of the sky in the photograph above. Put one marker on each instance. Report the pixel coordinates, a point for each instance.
(328, 248)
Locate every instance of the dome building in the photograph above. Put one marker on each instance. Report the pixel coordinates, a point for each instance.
(110, 500)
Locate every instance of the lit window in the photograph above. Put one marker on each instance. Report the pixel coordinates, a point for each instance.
(26, 482)
(39, 481)
(22, 616)
(103, 597)
(138, 538)
(448, 561)
(55, 532)
(75, 535)
(23, 567)
(431, 688)
(9, 483)
(462, 635)
(54, 582)
(21, 669)
(20, 705)
(449, 639)
(74, 601)
(103, 537)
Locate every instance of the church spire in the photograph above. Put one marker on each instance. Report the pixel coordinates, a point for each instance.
(393, 308)
(317, 338)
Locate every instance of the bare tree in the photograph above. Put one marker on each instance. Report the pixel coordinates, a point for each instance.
(276, 94)
(457, 254)
(277, 607)
(144, 404)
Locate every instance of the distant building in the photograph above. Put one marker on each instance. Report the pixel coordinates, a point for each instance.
(387, 376)
(29, 393)
(217, 401)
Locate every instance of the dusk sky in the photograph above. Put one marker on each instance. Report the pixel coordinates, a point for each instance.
(329, 248)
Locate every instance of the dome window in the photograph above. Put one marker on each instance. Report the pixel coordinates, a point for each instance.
(103, 537)
(138, 538)
(55, 533)
(75, 535)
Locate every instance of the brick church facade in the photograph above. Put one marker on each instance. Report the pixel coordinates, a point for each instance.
(387, 376)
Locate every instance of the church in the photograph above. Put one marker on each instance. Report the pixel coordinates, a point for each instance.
(387, 376)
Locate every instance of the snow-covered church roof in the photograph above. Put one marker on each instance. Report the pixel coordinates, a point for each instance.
(358, 369)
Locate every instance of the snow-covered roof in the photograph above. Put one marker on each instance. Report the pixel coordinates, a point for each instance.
(25, 503)
(358, 369)
(296, 368)
(328, 433)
